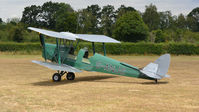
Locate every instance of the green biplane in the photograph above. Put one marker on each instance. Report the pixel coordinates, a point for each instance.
(61, 57)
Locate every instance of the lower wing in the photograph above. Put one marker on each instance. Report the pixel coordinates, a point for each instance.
(55, 66)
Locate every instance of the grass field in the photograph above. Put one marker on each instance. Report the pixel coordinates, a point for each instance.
(25, 86)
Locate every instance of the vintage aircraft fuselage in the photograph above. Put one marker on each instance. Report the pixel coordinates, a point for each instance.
(97, 62)
(62, 58)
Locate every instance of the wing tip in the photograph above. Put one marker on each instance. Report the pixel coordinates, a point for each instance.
(30, 28)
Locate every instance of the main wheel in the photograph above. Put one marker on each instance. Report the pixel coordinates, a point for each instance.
(56, 77)
(70, 76)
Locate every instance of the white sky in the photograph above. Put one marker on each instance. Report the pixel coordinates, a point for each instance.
(14, 8)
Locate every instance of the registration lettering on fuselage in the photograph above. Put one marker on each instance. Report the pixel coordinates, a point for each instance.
(110, 68)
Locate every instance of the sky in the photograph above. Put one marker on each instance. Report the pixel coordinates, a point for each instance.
(14, 8)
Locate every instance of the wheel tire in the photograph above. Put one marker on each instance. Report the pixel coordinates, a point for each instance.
(70, 76)
(56, 77)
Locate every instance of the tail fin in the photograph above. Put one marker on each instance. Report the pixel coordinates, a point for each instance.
(163, 64)
(159, 68)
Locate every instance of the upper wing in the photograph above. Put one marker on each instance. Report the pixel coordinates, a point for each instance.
(67, 35)
(96, 38)
(54, 66)
(71, 36)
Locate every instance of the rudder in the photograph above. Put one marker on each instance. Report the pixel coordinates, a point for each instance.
(163, 64)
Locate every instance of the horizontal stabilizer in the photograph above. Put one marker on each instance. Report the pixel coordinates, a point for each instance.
(151, 70)
(55, 66)
(151, 67)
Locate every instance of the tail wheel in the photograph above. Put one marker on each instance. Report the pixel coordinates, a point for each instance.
(56, 77)
(70, 76)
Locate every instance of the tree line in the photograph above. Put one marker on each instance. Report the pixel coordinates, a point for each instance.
(125, 23)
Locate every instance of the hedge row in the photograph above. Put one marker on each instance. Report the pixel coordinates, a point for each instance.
(15, 47)
(147, 48)
(123, 48)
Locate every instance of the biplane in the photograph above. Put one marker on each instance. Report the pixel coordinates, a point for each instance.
(61, 57)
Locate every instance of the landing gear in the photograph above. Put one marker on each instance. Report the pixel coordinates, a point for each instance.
(156, 81)
(57, 76)
(70, 76)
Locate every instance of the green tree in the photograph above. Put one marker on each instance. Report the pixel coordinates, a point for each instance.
(67, 21)
(166, 20)
(45, 15)
(50, 10)
(123, 9)
(16, 33)
(194, 18)
(181, 22)
(173, 23)
(84, 21)
(130, 28)
(160, 36)
(31, 15)
(95, 10)
(107, 19)
(1, 21)
(179, 33)
(151, 17)
(192, 23)
(13, 21)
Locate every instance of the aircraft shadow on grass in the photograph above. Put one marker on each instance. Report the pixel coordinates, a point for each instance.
(79, 79)
(151, 83)
(91, 79)
(144, 83)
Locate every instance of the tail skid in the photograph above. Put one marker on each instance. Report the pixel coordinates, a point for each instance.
(159, 68)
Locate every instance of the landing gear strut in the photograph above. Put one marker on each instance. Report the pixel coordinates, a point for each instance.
(57, 76)
(156, 81)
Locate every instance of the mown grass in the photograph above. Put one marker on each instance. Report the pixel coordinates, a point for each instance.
(25, 86)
